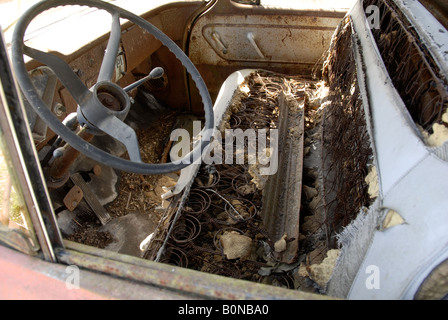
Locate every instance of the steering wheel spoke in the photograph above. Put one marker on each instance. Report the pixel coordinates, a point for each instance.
(63, 71)
(108, 64)
(119, 130)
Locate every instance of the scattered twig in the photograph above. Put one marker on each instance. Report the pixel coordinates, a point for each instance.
(129, 199)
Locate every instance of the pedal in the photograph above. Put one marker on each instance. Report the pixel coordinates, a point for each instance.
(90, 198)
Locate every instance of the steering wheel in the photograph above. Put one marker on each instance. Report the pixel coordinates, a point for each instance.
(103, 107)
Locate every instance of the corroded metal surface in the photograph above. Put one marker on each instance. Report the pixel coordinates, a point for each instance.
(58, 172)
(290, 41)
(282, 36)
(185, 282)
(73, 197)
(283, 192)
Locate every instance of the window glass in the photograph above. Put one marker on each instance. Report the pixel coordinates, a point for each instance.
(15, 226)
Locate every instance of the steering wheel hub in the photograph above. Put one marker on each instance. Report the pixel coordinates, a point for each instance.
(110, 101)
(107, 101)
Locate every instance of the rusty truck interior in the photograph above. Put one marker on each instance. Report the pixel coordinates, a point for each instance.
(106, 83)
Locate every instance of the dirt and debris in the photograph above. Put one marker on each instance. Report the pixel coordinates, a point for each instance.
(135, 193)
(143, 192)
(439, 133)
(280, 245)
(320, 273)
(236, 245)
(227, 199)
(372, 182)
(85, 228)
(92, 237)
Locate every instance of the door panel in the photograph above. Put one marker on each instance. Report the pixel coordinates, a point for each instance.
(231, 36)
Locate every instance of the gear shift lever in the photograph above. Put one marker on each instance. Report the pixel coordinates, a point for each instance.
(155, 73)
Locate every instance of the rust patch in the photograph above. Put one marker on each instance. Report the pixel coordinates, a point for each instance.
(73, 197)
